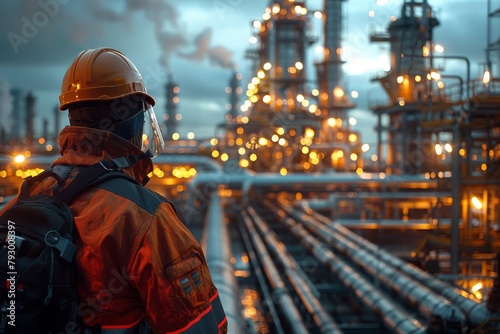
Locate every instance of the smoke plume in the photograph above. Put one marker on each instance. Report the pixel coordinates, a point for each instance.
(171, 37)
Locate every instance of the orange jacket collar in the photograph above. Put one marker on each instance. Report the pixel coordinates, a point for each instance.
(84, 146)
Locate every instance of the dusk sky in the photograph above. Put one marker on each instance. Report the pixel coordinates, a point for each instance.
(199, 43)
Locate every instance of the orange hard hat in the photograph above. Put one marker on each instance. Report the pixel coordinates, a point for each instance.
(101, 74)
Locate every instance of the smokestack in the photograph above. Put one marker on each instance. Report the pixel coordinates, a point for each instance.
(16, 132)
(45, 132)
(330, 74)
(30, 116)
(172, 94)
(234, 90)
(5, 110)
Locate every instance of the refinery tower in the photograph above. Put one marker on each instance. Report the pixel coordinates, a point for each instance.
(291, 123)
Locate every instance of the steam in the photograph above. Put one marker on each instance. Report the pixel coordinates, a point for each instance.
(217, 55)
(172, 39)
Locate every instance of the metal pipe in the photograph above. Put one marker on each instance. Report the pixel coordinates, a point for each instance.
(280, 292)
(392, 314)
(266, 294)
(330, 181)
(217, 248)
(455, 191)
(428, 302)
(476, 312)
(296, 277)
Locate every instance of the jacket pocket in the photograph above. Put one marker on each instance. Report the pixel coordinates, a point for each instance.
(186, 276)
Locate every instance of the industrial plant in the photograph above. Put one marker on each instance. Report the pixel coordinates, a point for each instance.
(303, 230)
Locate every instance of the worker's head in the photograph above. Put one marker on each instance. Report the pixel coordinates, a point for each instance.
(103, 89)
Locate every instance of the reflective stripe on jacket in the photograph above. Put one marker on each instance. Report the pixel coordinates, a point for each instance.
(135, 258)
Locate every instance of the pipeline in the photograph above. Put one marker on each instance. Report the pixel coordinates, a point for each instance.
(296, 276)
(331, 181)
(242, 179)
(428, 302)
(257, 272)
(217, 248)
(477, 313)
(394, 317)
(280, 292)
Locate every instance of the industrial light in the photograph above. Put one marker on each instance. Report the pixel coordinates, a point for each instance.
(257, 24)
(486, 77)
(365, 147)
(20, 158)
(244, 163)
(400, 79)
(338, 92)
(267, 66)
(439, 149)
(434, 76)
(477, 203)
(438, 48)
(318, 14)
(425, 51)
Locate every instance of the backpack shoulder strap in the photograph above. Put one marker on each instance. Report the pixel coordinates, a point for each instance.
(89, 177)
(93, 175)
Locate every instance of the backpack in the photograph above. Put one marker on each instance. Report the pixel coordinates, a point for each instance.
(37, 236)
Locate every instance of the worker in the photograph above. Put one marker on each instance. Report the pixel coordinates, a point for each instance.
(136, 262)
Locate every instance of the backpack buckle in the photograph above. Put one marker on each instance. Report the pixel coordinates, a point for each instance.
(63, 245)
(111, 165)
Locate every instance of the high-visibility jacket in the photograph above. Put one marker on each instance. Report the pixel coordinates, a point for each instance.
(136, 260)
